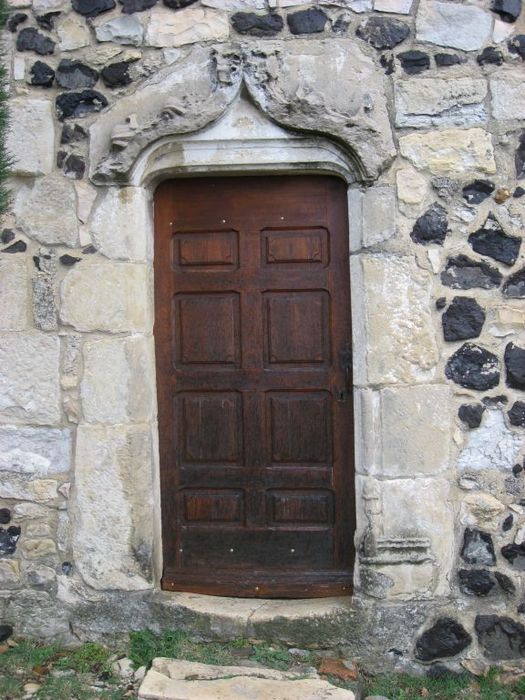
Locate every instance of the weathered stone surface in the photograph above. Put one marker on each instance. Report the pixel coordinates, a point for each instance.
(411, 186)
(519, 156)
(5, 516)
(413, 61)
(463, 319)
(257, 25)
(471, 414)
(462, 272)
(117, 385)
(473, 367)
(508, 95)
(92, 8)
(79, 104)
(445, 638)
(505, 582)
(478, 582)
(492, 241)
(515, 366)
(477, 191)
(377, 220)
(194, 24)
(515, 555)
(34, 451)
(490, 56)
(9, 578)
(482, 510)
(122, 30)
(450, 152)
(431, 227)
(451, 24)
(179, 4)
(120, 223)
(130, 6)
(500, 637)
(398, 307)
(74, 167)
(29, 386)
(116, 74)
(41, 74)
(113, 475)
(437, 101)
(508, 10)
(30, 39)
(310, 21)
(47, 212)
(493, 446)
(110, 297)
(73, 33)
(517, 45)
(38, 549)
(14, 296)
(31, 136)
(73, 75)
(447, 59)
(8, 540)
(15, 20)
(383, 32)
(398, 7)
(517, 413)
(478, 548)
(514, 286)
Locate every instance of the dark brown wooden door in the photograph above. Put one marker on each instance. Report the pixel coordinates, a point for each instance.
(252, 333)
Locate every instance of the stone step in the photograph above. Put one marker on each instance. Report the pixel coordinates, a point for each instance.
(170, 679)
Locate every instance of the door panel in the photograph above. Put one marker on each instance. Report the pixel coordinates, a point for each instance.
(252, 315)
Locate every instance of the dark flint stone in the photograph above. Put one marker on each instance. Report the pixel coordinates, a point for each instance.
(383, 32)
(340, 26)
(5, 516)
(492, 241)
(42, 74)
(388, 63)
(505, 583)
(514, 287)
(501, 637)
(307, 21)
(521, 608)
(478, 190)
(116, 74)
(7, 235)
(70, 134)
(448, 59)
(69, 260)
(507, 523)
(257, 25)
(478, 548)
(47, 21)
(515, 555)
(490, 56)
(67, 568)
(517, 469)
(30, 39)
(17, 247)
(5, 632)
(444, 639)
(475, 581)
(61, 157)
(92, 8)
(518, 192)
(471, 414)
(179, 4)
(89, 250)
(519, 157)
(8, 539)
(517, 45)
(78, 104)
(441, 303)
(131, 6)
(515, 366)
(73, 75)
(414, 62)
(508, 10)
(431, 227)
(75, 167)
(517, 414)
(461, 272)
(463, 319)
(494, 400)
(15, 20)
(473, 367)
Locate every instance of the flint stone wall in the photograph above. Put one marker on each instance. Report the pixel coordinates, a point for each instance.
(420, 106)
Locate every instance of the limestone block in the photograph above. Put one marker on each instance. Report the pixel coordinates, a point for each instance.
(107, 296)
(19, 488)
(415, 425)
(30, 511)
(29, 382)
(43, 6)
(410, 581)
(508, 95)
(121, 225)
(379, 215)
(483, 511)
(491, 446)
(450, 24)
(397, 7)
(412, 188)
(127, 29)
(169, 29)
(47, 212)
(9, 574)
(450, 152)
(86, 195)
(19, 68)
(424, 102)
(73, 33)
(31, 136)
(118, 380)
(38, 549)
(235, 5)
(502, 31)
(400, 338)
(34, 451)
(113, 480)
(14, 295)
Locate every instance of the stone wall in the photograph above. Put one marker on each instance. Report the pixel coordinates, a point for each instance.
(420, 106)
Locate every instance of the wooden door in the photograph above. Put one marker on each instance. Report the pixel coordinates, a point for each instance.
(252, 329)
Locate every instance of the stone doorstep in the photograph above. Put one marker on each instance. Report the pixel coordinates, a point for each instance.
(170, 679)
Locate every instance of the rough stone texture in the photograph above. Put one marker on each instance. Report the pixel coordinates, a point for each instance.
(508, 10)
(478, 582)
(30, 39)
(515, 366)
(493, 446)
(73, 75)
(122, 30)
(414, 62)
(500, 637)
(309, 21)
(514, 286)
(450, 152)
(112, 476)
(492, 241)
(463, 319)
(73, 33)
(477, 191)
(461, 272)
(257, 25)
(473, 367)
(383, 33)
(34, 451)
(29, 388)
(450, 24)
(508, 96)
(431, 227)
(119, 225)
(14, 296)
(445, 638)
(106, 296)
(47, 211)
(517, 413)
(195, 24)
(31, 136)
(478, 548)
(483, 511)
(42, 74)
(471, 414)
(79, 104)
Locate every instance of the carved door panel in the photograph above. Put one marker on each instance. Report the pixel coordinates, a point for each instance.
(252, 332)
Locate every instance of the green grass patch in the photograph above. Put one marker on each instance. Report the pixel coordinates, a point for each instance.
(89, 658)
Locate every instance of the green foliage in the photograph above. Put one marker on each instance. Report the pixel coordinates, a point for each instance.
(89, 658)
(405, 687)
(10, 687)
(272, 656)
(27, 653)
